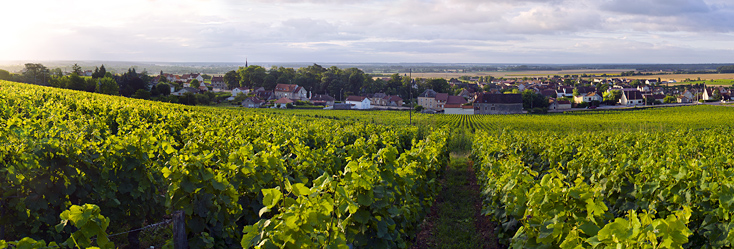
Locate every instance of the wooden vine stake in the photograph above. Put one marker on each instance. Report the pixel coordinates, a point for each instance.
(179, 231)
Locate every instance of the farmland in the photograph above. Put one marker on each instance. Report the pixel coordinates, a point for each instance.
(611, 73)
(658, 178)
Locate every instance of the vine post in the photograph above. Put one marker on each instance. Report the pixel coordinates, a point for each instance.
(179, 231)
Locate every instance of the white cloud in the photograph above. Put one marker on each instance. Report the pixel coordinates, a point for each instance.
(542, 31)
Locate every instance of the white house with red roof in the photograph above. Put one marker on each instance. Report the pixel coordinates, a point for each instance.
(290, 91)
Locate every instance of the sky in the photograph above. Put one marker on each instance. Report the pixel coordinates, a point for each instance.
(370, 31)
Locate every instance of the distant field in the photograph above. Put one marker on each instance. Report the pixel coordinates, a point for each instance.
(681, 77)
(520, 74)
(610, 72)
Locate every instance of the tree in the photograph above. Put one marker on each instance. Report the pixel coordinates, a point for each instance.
(99, 72)
(187, 99)
(232, 79)
(332, 82)
(636, 83)
(202, 99)
(439, 85)
(532, 100)
(57, 72)
(252, 76)
(4, 75)
(717, 95)
(669, 99)
(725, 69)
(163, 89)
(612, 97)
(141, 94)
(76, 69)
(36, 73)
(76, 82)
(107, 85)
(130, 82)
(576, 92)
(194, 83)
(269, 82)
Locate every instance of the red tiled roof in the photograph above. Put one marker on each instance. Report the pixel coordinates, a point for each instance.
(442, 97)
(455, 100)
(286, 88)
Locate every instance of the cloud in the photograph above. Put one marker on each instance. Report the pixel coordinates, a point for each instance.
(656, 7)
(531, 31)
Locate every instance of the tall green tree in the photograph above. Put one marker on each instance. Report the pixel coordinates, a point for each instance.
(194, 83)
(333, 82)
(4, 75)
(612, 97)
(310, 78)
(439, 85)
(76, 69)
(252, 76)
(532, 100)
(108, 86)
(232, 79)
(36, 73)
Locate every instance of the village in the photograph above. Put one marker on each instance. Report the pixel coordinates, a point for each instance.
(472, 95)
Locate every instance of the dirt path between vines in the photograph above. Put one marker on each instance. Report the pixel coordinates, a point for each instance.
(455, 219)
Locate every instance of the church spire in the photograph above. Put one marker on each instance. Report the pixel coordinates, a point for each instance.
(245, 62)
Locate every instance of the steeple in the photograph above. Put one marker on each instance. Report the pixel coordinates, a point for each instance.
(245, 62)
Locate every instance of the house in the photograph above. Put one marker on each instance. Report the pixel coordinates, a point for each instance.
(550, 93)
(266, 95)
(585, 90)
(651, 82)
(433, 101)
(427, 99)
(643, 88)
(588, 98)
(632, 97)
(708, 93)
(358, 102)
(565, 91)
(440, 101)
(240, 90)
(325, 100)
(467, 93)
(554, 104)
(378, 99)
(455, 100)
(393, 100)
(684, 99)
(458, 109)
(218, 83)
(290, 91)
(253, 102)
(189, 77)
(185, 90)
(283, 102)
(688, 95)
(498, 104)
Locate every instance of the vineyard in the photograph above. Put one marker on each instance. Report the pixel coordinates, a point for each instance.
(655, 119)
(77, 167)
(241, 179)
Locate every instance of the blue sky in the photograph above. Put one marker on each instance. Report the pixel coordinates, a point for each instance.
(447, 31)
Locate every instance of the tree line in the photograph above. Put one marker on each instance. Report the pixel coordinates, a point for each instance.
(332, 81)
